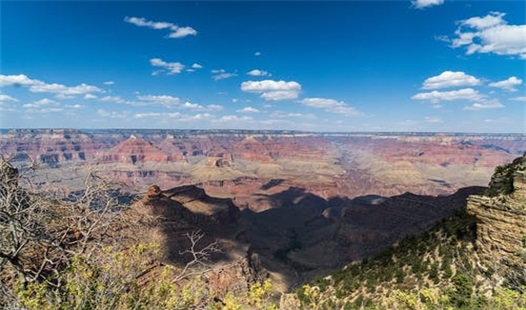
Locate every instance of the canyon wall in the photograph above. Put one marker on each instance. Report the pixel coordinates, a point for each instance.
(501, 223)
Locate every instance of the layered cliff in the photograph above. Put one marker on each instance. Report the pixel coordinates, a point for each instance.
(501, 223)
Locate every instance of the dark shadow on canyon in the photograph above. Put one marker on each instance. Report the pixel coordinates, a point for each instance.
(305, 236)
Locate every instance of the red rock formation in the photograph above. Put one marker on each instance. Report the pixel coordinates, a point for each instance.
(50, 146)
(134, 150)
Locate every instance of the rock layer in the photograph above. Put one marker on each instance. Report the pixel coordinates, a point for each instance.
(501, 223)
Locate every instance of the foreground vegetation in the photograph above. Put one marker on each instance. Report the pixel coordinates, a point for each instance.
(437, 270)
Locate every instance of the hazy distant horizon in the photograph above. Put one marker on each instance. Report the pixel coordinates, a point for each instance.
(236, 130)
(348, 66)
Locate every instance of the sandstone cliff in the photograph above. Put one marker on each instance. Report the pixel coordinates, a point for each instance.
(501, 223)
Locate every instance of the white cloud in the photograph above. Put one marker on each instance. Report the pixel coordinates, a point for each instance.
(508, 84)
(176, 32)
(257, 54)
(485, 105)
(17, 80)
(420, 4)
(171, 102)
(282, 114)
(331, 105)
(176, 115)
(322, 103)
(450, 79)
(50, 106)
(115, 99)
(170, 67)
(234, 118)
(5, 98)
(221, 74)
(257, 72)
(491, 34)
(109, 83)
(214, 107)
(41, 103)
(36, 86)
(521, 98)
(432, 119)
(192, 106)
(63, 90)
(44, 110)
(113, 114)
(273, 90)
(491, 20)
(163, 100)
(461, 94)
(248, 110)
(73, 106)
(197, 66)
(182, 32)
(90, 96)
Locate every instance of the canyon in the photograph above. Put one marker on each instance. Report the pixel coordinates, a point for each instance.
(240, 164)
(291, 206)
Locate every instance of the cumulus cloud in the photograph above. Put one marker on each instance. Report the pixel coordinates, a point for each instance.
(448, 79)
(420, 4)
(176, 32)
(331, 105)
(196, 66)
(508, 84)
(6, 98)
(221, 74)
(248, 110)
(273, 90)
(485, 105)
(257, 54)
(109, 83)
(17, 80)
(36, 86)
(257, 72)
(461, 94)
(169, 67)
(490, 34)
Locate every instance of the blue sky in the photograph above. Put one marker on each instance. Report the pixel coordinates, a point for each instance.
(426, 65)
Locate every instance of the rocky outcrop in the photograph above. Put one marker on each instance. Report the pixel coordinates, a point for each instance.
(501, 222)
(237, 277)
(185, 218)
